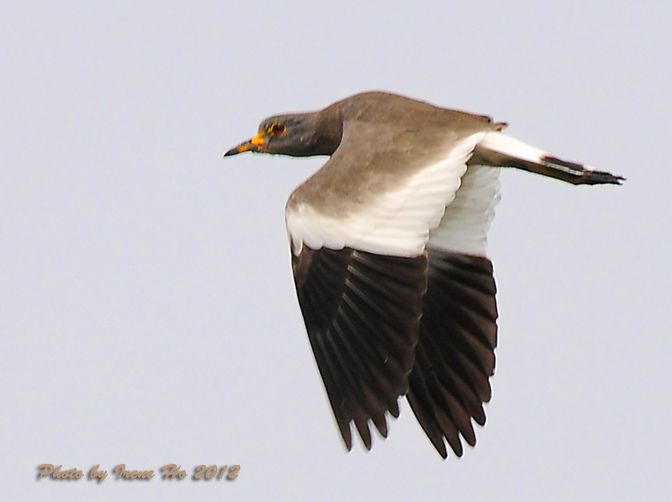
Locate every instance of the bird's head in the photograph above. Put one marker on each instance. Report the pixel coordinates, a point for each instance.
(298, 135)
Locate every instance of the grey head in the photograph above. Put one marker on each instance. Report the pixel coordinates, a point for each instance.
(298, 135)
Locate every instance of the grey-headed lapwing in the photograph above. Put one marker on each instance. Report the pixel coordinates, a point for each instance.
(388, 252)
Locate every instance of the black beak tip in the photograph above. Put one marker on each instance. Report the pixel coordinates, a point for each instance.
(233, 151)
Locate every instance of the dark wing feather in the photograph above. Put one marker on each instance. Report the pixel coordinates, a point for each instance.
(362, 314)
(455, 354)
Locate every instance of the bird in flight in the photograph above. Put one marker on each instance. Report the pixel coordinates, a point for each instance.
(388, 252)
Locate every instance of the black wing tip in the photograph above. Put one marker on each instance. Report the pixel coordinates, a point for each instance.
(346, 296)
(585, 175)
(344, 429)
(602, 178)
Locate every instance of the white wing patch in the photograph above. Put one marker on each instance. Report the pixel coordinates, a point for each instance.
(506, 145)
(502, 143)
(465, 223)
(395, 223)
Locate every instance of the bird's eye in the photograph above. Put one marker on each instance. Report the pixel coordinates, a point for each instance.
(277, 129)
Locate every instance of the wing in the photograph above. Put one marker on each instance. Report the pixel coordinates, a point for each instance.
(458, 332)
(362, 314)
(498, 149)
(360, 268)
(383, 201)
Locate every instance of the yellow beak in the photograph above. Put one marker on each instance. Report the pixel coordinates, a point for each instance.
(254, 144)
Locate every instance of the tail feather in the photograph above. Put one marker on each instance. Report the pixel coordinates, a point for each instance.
(499, 150)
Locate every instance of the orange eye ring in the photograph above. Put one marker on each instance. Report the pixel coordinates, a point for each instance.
(277, 129)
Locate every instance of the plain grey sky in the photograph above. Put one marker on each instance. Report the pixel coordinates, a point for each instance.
(147, 309)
